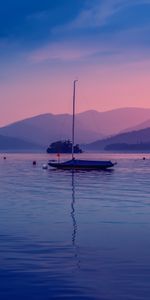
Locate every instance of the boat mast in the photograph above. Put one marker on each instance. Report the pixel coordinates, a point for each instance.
(73, 116)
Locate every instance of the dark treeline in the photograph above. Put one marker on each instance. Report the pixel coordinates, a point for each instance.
(128, 147)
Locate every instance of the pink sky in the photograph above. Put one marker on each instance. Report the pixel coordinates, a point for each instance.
(100, 87)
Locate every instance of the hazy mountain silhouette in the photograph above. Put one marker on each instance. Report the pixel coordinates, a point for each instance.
(114, 121)
(47, 128)
(140, 126)
(133, 137)
(15, 144)
(90, 125)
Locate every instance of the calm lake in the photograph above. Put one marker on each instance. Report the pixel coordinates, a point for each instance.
(82, 235)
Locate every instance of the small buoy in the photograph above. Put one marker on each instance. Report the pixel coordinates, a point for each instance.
(34, 163)
(144, 158)
(44, 167)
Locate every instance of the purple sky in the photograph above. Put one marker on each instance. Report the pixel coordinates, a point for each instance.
(45, 45)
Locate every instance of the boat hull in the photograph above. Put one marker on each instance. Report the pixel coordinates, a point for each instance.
(82, 165)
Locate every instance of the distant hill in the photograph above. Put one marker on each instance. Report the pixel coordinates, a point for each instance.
(89, 126)
(140, 126)
(134, 137)
(14, 144)
(128, 147)
(47, 128)
(113, 121)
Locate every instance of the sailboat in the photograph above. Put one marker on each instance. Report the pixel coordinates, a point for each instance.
(79, 164)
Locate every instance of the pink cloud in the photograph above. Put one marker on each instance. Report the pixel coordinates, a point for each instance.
(64, 52)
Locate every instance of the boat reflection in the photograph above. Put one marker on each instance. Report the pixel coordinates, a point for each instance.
(73, 212)
(74, 222)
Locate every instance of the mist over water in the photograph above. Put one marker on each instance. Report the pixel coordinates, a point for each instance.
(81, 235)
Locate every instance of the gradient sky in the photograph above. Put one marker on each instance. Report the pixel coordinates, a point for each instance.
(46, 44)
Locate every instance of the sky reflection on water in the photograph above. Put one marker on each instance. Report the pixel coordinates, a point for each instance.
(81, 235)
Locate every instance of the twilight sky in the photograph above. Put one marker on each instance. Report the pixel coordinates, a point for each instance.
(46, 44)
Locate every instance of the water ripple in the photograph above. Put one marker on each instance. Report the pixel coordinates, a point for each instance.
(81, 235)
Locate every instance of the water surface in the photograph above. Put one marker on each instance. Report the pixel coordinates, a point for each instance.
(82, 235)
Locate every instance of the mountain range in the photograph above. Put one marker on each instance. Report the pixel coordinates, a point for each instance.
(90, 126)
(47, 128)
(16, 144)
(140, 126)
(113, 121)
(131, 138)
